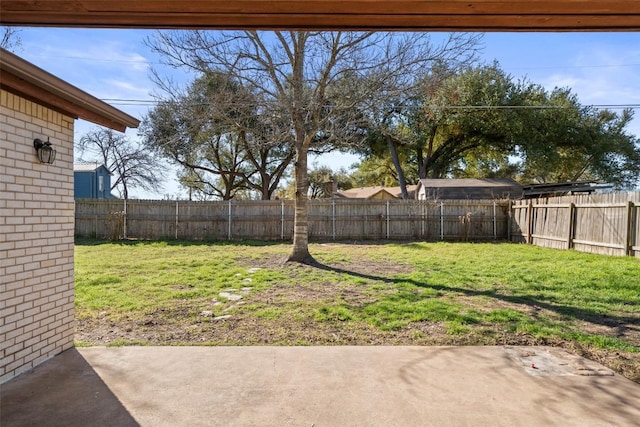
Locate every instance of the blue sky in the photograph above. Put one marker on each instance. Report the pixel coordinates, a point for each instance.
(601, 68)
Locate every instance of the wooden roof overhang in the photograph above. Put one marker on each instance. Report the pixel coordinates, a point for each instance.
(424, 15)
(25, 79)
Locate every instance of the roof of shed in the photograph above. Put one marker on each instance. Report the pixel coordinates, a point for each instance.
(25, 79)
(483, 188)
(469, 182)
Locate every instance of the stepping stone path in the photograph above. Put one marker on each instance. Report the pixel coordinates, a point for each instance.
(231, 295)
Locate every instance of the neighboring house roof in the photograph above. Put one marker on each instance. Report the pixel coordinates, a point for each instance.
(25, 79)
(89, 167)
(376, 192)
(364, 193)
(470, 188)
(397, 192)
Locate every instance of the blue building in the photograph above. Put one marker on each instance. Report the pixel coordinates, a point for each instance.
(91, 181)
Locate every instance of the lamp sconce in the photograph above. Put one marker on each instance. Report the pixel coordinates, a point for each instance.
(46, 153)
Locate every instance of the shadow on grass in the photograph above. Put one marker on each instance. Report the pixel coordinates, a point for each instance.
(620, 323)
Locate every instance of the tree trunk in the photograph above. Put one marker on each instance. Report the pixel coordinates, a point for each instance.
(300, 223)
(422, 170)
(396, 163)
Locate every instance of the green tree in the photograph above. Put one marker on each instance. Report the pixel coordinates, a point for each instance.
(470, 111)
(571, 142)
(380, 170)
(480, 122)
(217, 133)
(323, 180)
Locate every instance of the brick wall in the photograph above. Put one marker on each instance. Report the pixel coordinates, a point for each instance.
(36, 236)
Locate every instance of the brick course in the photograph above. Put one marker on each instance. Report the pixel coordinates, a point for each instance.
(36, 236)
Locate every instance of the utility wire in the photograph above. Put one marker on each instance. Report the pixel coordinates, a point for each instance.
(153, 102)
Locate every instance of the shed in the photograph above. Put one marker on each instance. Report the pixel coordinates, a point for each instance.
(91, 181)
(37, 219)
(472, 189)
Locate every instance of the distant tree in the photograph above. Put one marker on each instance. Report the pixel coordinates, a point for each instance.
(472, 111)
(379, 169)
(571, 142)
(323, 180)
(316, 79)
(132, 165)
(220, 135)
(391, 138)
(481, 122)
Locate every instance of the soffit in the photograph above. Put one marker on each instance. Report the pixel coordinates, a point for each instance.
(25, 79)
(427, 15)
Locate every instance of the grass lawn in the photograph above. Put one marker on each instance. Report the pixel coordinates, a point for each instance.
(359, 294)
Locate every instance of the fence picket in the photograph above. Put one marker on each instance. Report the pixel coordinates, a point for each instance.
(598, 223)
(273, 220)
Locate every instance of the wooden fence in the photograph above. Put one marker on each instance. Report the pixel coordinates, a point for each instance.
(604, 223)
(329, 219)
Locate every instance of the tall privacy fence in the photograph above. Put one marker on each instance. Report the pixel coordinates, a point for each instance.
(473, 220)
(604, 223)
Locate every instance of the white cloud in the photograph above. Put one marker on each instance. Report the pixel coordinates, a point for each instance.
(607, 75)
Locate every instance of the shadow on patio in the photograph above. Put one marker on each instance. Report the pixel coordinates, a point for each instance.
(34, 398)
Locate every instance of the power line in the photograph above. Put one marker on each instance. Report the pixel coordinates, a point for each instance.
(529, 107)
(153, 102)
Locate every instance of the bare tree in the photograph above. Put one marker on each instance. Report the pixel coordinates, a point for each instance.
(318, 79)
(133, 166)
(9, 38)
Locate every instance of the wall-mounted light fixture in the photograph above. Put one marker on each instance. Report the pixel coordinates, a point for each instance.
(46, 153)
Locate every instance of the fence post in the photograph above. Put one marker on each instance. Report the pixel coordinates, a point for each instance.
(333, 219)
(424, 218)
(530, 223)
(495, 222)
(571, 231)
(282, 220)
(509, 219)
(229, 228)
(441, 221)
(176, 220)
(388, 219)
(629, 227)
(124, 221)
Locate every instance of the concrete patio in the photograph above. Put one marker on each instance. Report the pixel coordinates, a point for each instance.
(319, 386)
